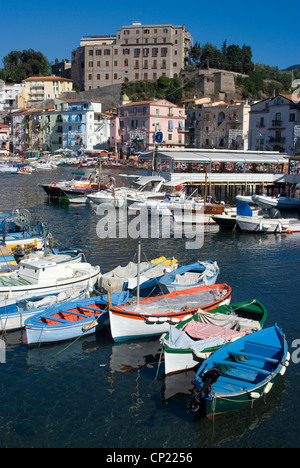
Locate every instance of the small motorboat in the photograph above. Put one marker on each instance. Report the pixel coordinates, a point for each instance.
(195, 339)
(72, 319)
(241, 372)
(153, 316)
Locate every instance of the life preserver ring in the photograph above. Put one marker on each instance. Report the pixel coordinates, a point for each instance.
(53, 184)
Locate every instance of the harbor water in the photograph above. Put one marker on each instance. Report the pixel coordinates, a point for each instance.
(96, 393)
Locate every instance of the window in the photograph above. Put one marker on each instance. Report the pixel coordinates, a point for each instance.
(126, 51)
(292, 118)
(154, 52)
(90, 52)
(155, 76)
(146, 31)
(137, 64)
(170, 125)
(146, 52)
(89, 77)
(106, 51)
(137, 76)
(116, 52)
(115, 76)
(107, 76)
(115, 63)
(98, 52)
(180, 126)
(164, 52)
(121, 125)
(170, 136)
(170, 112)
(134, 124)
(145, 76)
(98, 64)
(126, 63)
(107, 64)
(157, 112)
(98, 77)
(136, 52)
(90, 64)
(165, 31)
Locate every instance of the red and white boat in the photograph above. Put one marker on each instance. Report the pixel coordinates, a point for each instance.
(154, 315)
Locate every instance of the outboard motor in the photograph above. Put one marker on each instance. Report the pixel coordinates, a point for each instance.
(19, 253)
(274, 213)
(208, 379)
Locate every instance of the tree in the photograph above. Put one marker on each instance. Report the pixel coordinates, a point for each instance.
(195, 53)
(21, 65)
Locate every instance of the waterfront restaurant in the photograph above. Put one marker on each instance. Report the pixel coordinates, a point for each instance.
(245, 172)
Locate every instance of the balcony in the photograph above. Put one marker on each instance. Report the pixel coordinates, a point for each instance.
(276, 123)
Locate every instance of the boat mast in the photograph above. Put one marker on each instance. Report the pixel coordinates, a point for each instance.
(138, 275)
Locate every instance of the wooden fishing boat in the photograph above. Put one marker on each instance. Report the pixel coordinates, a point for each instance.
(154, 315)
(241, 372)
(72, 319)
(36, 276)
(190, 276)
(195, 339)
(14, 312)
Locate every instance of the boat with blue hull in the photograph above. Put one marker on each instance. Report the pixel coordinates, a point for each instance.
(241, 372)
(72, 319)
(14, 312)
(190, 276)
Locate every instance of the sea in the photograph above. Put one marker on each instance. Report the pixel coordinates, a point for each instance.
(95, 393)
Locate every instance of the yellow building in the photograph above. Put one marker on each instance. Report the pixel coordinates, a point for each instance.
(41, 88)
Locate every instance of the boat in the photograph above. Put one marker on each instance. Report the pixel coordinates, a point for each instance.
(82, 184)
(36, 276)
(240, 373)
(8, 168)
(264, 224)
(126, 278)
(227, 220)
(118, 198)
(190, 276)
(195, 339)
(72, 319)
(153, 316)
(14, 312)
(282, 202)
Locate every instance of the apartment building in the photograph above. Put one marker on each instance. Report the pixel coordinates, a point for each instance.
(8, 95)
(40, 88)
(218, 124)
(69, 124)
(4, 139)
(136, 123)
(275, 125)
(136, 52)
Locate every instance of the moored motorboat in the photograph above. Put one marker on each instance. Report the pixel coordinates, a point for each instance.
(37, 276)
(72, 319)
(154, 315)
(241, 372)
(195, 339)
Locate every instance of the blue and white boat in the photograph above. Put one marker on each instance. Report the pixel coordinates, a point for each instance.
(190, 276)
(72, 319)
(14, 311)
(241, 372)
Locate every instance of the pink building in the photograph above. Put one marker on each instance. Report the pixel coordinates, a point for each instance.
(4, 139)
(135, 126)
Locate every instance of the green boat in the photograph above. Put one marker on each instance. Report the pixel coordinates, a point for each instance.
(240, 373)
(195, 339)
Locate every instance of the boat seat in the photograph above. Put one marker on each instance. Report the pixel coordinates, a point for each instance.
(243, 366)
(256, 356)
(94, 309)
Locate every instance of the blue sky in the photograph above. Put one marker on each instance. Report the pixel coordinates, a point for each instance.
(55, 27)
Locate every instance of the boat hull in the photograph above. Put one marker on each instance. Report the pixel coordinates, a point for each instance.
(127, 323)
(268, 226)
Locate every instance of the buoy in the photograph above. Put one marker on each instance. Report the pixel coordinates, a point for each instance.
(151, 319)
(89, 326)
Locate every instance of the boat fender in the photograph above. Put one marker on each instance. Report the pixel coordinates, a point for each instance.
(175, 320)
(53, 184)
(162, 338)
(187, 317)
(288, 356)
(255, 395)
(282, 370)
(90, 325)
(162, 319)
(268, 388)
(151, 319)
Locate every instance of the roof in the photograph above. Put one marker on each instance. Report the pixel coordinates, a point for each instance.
(209, 156)
(155, 102)
(47, 78)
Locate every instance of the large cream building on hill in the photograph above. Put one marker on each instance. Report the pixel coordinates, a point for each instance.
(136, 52)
